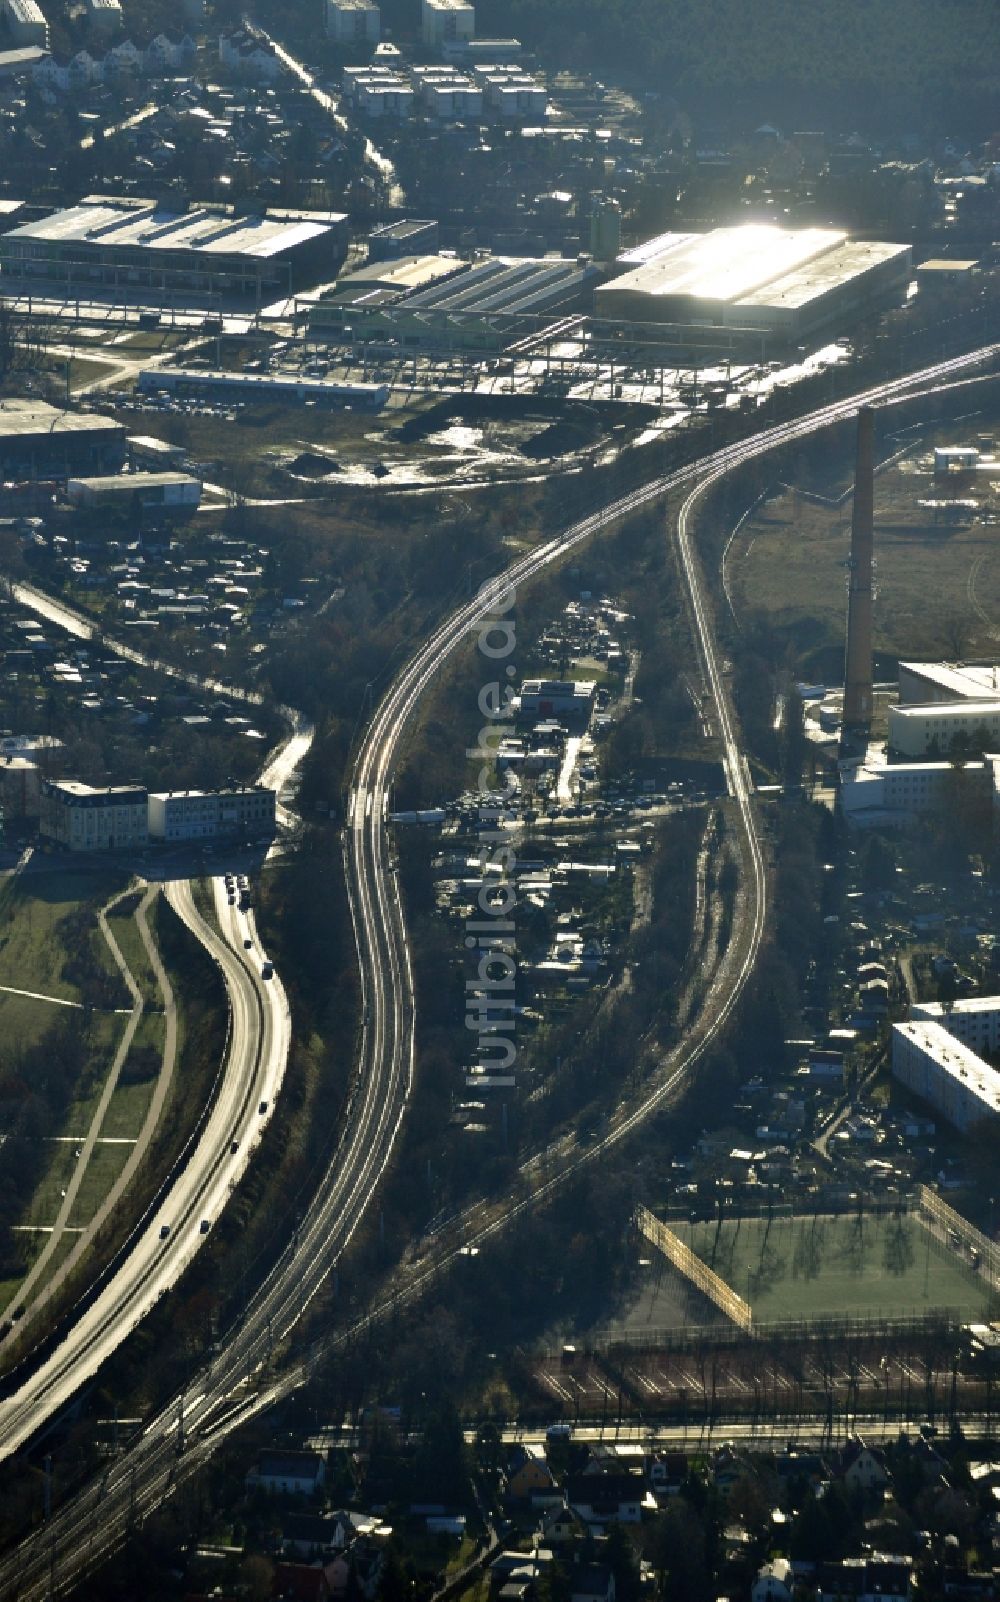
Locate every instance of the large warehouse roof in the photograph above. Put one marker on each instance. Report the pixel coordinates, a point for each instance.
(822, 273)
(961, 681)
(144, 224)
(30, 417)
(755, 276)
(728, 263)
(503, 285)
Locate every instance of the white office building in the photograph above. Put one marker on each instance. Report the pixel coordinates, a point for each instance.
(353, 22)
(445, 21)
(81, 818)
(915, 730)
(242, 811)
(941, 1070)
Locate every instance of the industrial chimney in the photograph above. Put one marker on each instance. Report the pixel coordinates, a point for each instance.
(858, 666)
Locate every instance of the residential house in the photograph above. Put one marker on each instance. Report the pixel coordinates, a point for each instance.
(560, 1527)
(863, 1468)
(607, 1498)
(775, 1582)
(728, 1466)
(308, 1535)
(877, 1577)
(518, 1569)
(528, 1474)
(667, 1473)
(288, 1473)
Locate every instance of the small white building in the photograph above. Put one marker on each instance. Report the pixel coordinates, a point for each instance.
(353, 22)
(442, 21)
(548, 698)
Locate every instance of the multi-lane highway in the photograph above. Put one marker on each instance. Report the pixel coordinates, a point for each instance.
(220, 1398)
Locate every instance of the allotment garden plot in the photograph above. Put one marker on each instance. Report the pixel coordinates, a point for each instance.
(836, 1266)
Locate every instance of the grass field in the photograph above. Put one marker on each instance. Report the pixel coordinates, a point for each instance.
(834, 1266)
(31, 907)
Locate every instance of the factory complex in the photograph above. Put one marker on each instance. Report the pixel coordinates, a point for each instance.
(750, 283)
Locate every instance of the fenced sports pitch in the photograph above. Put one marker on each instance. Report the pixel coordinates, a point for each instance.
(838, 1265)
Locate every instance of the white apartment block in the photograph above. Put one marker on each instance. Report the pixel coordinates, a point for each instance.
(81, 818)
(938, 1068)
(353, 22)
(379, 91)
(512, 95)
(975, 1021)
(442, 21)
(878, 792)
(445, 93)
(26, 22)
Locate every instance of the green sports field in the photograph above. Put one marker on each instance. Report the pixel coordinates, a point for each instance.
(837, 1266)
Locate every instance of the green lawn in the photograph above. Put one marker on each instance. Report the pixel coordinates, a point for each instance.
(106, 1163)
(31, 907)
(809, 1267)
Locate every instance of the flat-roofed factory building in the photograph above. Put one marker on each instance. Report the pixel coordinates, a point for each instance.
(135, 245)
(458, 306)
(42, 441)
(782, 282)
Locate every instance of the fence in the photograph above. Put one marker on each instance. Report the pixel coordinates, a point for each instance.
(982, 1251)
(694, 1270)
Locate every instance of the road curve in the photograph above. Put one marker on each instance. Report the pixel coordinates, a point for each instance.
(174, 1228)
(220, 1398)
